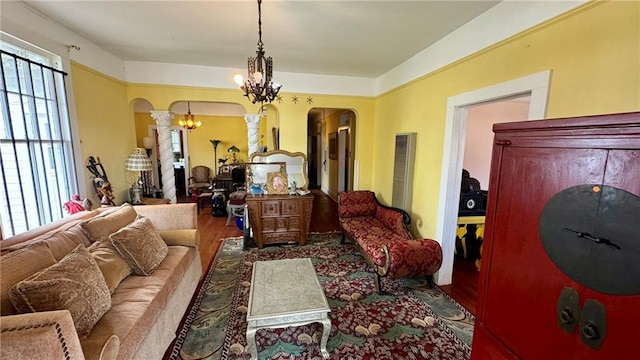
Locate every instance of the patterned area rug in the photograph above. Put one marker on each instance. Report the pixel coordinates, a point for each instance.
(411, 321)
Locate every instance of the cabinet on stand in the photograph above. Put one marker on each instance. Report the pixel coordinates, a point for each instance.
(560, 276)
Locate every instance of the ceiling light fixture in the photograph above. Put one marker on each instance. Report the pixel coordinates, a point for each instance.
(189, 121)
(259, 86)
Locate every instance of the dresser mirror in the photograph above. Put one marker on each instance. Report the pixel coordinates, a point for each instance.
(295, 163)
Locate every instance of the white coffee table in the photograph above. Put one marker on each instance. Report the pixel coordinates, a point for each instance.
(286, 293)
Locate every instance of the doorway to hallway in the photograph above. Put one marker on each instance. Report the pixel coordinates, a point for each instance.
(330, 149)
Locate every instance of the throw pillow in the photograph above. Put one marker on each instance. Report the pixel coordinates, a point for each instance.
(75, 283)
(99, 227)
(19, 265)
(111, 264)
(140, 245)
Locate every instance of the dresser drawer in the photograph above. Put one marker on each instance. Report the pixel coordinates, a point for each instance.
(290, 208)
(271, 208)
(281, 237)
(291, 223)
(268, 224)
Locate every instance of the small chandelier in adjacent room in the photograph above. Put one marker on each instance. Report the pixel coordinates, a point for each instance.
(189, 122)
(259, 87)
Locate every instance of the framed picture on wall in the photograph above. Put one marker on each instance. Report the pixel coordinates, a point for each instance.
(333, 145)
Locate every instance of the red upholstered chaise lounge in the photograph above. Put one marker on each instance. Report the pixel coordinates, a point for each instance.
(382, 235)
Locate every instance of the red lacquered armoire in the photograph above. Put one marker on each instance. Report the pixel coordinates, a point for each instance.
(560, 274)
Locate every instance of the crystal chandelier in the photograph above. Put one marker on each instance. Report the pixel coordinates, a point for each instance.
(259, 86)
(189, 121)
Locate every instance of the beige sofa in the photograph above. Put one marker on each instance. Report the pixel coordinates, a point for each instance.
(144, 311)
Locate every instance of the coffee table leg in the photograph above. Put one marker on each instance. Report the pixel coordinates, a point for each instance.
(326, 330)
(251, 342)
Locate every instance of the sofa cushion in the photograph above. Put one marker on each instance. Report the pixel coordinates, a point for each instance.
(138, 301)
(113, 267)
(140, 245)
(184, 237)
(101, 226)
(19, 265)
(370, 234)
(65, 239)
(75, 284)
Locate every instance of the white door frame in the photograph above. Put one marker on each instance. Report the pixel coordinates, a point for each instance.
(344, 137)
(537, 85)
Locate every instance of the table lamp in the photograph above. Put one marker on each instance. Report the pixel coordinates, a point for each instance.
(137, 164)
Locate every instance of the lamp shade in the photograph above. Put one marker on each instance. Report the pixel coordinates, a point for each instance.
(233, 149)
(138, 161)
(147, 141)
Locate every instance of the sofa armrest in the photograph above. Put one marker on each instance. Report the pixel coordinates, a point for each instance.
(395, 219)
(183, 237)
(40, 335)
(414, 258)
(170, 216)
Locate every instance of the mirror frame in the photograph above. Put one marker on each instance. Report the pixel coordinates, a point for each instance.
(265, 157)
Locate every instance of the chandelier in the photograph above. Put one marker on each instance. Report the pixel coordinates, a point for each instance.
(259, 86)
(189, 121)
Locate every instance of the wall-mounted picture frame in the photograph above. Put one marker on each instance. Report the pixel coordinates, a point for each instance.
(333, 146)
(277, 183)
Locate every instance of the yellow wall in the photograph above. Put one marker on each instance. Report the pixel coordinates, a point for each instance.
(594, 57)
(230, 130)
(105, 123)
(289, 116)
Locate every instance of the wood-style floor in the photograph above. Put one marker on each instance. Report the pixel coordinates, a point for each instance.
(324, 218)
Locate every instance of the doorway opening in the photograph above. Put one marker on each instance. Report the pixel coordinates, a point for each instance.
(476, 165)
(536, 86)
(331, 150)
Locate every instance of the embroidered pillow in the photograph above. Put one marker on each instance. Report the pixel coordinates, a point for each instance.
(140, 245)
(75, 283)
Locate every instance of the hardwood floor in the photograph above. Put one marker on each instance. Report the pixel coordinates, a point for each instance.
(464, 288)
(324, 218)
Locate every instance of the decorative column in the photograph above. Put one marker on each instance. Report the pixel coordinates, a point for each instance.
(163, 120)
(253, 127)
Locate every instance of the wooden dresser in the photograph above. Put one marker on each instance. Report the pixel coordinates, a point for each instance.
(279, 219)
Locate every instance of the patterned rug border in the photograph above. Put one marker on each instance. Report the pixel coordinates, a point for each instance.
(195, 304)
(233, 315)
(438, 318)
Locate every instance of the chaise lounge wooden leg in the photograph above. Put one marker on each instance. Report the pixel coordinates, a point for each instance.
(430, 282)
(378, 282)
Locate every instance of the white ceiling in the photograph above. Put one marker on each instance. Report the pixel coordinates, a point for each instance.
(346, 38)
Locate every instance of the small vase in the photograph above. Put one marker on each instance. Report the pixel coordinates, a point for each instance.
(240, 221)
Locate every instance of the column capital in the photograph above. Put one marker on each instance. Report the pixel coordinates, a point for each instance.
(253, 119)
(163, 118)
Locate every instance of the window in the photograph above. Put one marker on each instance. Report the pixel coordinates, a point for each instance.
(37, 171)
